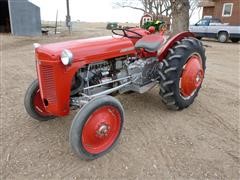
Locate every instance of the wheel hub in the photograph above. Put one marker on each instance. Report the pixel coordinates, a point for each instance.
(192, 76)
(198, 78)
(101, 129)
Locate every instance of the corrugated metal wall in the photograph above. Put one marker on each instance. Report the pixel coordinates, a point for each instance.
(25, 18)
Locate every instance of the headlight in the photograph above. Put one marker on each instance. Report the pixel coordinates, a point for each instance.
(36, 45)
(66, 57)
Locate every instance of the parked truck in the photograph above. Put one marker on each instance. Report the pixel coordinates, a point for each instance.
(214, 28)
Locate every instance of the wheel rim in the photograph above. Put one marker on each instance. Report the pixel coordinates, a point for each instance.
(101, 129)
(192, 76)
(38, 104)
(223, 38)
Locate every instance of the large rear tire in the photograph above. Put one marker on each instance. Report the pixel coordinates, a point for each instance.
(182, 73)
(96, 127)
(34, 104)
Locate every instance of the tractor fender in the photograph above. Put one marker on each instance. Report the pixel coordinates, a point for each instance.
(163, 51)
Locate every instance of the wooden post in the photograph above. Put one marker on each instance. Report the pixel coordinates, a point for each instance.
(68, 17)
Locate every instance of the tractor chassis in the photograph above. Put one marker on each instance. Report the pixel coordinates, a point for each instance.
(84, 98)
(70, 78)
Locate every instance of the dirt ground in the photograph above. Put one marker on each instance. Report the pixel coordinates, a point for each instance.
(201, 142)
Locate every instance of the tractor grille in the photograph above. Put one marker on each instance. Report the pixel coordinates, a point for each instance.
(48, 83)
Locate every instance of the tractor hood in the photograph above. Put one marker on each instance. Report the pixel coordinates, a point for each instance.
(87, 49)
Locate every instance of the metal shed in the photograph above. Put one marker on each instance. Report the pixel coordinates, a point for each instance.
(20, 17)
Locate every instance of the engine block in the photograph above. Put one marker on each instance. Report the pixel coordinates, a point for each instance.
(141, 70)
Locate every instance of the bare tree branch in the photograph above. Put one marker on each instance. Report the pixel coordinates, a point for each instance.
(156, 8)
(129, 6)
(193, 7)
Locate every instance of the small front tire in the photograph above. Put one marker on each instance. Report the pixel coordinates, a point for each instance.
(34, 105)
(96, 128)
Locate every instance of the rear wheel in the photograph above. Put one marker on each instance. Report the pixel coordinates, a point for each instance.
(223, 37)
(235, 40)
(182, 73)
(96, 127)
(34, 105)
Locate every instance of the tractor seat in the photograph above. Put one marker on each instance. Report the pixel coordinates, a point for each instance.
(150, 43)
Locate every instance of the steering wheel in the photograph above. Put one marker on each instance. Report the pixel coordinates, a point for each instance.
(125, 33)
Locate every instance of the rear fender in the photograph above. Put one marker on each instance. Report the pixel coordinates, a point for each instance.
(162, 53)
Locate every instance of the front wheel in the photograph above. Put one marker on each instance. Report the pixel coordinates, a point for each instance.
(96, 127)
(34, 105)
(182, 73)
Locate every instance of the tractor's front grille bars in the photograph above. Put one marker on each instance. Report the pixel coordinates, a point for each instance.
(48, 83)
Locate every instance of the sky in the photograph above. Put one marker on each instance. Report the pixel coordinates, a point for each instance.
(91, 11)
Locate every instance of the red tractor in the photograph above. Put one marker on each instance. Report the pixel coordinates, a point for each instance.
(84, 73)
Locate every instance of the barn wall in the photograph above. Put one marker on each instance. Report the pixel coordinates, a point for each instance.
(25, 18)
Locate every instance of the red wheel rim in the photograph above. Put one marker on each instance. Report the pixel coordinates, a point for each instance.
(192, 76)
(101, 129)
(38, 104)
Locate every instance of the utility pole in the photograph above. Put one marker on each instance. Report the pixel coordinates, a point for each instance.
(56, 22)
(68, 17)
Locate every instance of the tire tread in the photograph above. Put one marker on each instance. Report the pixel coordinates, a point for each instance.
(172, 67)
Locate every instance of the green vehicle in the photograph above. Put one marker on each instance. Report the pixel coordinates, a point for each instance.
(112, 25)
(157, 24)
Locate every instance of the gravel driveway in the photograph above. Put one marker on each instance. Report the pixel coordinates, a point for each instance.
(199, 142)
